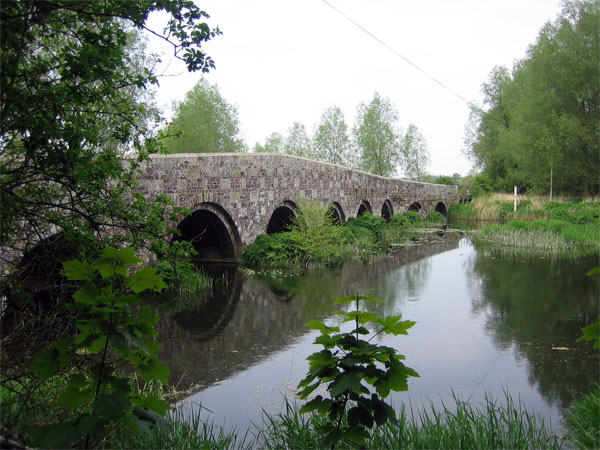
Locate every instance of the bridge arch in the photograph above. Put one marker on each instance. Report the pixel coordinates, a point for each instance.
(212, 232)
(282, 217)
(415, 206)
(441, 208)
(387, 211)
(336, 213)
(364, 207)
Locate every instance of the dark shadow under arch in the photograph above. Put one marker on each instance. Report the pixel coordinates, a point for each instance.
(212, 232)
(386, 210)
(282, 218)
(336, 213)
(441, 208)
(415, 206)
(365, 207)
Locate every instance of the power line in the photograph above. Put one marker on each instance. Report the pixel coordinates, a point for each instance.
(394, 51)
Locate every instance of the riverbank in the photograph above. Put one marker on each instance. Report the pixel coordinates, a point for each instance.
(538, 225)
(493, 425)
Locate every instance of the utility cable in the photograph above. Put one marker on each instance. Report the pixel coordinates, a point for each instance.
(394, 51)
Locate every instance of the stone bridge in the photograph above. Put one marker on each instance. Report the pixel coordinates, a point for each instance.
(237, 196)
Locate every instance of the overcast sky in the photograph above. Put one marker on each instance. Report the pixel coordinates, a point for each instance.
(282, 61)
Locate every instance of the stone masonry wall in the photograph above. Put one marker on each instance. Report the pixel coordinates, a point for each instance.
(244, 189)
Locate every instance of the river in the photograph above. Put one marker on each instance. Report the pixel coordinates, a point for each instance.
(486, 323)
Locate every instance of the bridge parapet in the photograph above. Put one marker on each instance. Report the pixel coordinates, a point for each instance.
(243, 190)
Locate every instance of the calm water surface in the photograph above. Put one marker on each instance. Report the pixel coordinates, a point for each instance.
(486, 323)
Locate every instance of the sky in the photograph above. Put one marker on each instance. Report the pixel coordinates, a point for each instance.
(281, 61)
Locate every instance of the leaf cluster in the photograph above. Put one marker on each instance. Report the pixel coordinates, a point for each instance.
(358, 374)
(108, 336)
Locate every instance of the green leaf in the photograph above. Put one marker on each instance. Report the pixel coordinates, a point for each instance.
(77, 270)
(308, 389)
(382, 387)
(316, 404)
(151, 402)
(47, 362)
(591, 333)
(594, 271)
(126, 256)
(155, 370)
(88, 295)
(316, 325)
(394, 325)
(112, 406)
(356, 434)
(362, 316)
(63, 435)
(346, 381)
(145, 279)
(77, 393)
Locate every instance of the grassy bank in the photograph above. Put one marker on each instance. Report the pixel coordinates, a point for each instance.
(500, 207)
(557, 227)
(313, 239)
(491, 425)
(494, 424)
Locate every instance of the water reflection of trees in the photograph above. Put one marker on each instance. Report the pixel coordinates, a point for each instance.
(540, 306)
(258, 316)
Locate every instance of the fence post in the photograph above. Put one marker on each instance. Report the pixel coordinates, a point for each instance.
(515, 201)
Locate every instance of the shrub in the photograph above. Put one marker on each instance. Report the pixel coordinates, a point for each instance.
(368, 221)
(413, 217)
(460, 211)
(274, 249)
(400, 221)
(435, 217)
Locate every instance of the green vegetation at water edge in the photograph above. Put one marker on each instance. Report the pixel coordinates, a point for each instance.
(538, 225)
(324, 242)
(492, 425)
(583, 419)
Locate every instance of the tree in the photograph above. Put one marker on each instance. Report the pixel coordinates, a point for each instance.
(71, 103)
(414, 153)
(66, 81)
(273, 144)
(297, 142)
(376, 134)
(331, 140)
(539, 124)
(204, 122)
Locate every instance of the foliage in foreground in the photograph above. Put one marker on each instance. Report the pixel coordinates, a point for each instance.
(348, 364)
(84, 365)
(583, 419)
(492, 425)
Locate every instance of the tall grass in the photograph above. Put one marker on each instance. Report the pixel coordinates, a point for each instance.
(491, 426)
(583, 420)
(183, 431)
(500, 206)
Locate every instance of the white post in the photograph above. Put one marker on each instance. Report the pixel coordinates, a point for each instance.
(515, 202)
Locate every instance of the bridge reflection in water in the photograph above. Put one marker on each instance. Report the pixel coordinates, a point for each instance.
(256, 316)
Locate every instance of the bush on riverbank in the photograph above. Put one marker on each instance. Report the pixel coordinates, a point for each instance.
(320, 241)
